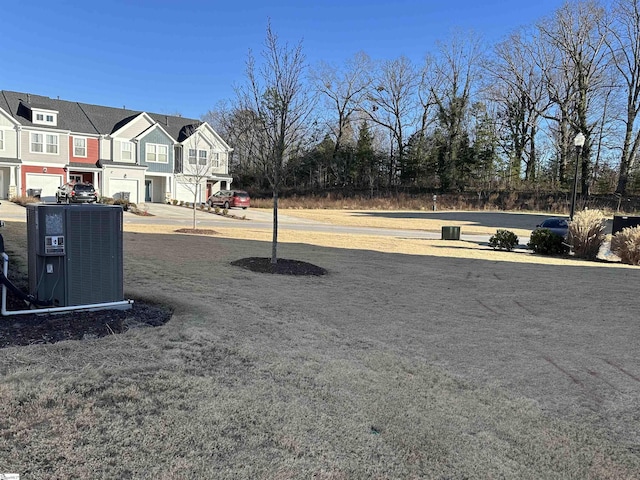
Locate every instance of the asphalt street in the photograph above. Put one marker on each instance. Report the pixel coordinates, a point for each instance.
(163, 214)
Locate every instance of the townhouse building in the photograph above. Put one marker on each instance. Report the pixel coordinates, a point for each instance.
(46, 142)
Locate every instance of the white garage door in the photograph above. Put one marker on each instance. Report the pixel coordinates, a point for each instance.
(48, 183)
(118, 185)
(185, 191)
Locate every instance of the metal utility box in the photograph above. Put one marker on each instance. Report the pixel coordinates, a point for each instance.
(450, 233)
(620, 222)
(75, 254)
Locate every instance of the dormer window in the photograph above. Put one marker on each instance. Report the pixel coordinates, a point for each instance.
(44, 117)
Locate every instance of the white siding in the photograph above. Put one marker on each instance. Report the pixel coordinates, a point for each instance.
(134, 128)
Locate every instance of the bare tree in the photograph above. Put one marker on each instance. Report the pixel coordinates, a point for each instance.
(514, 83)
(344, 91)
(279, 103)
(454, 77)
(196, 167)
(393, 107)
(623, 44)
(241, 129)
(575, 72)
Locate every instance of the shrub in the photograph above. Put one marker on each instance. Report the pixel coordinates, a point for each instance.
(225, 212)
(24, 200)
(174, 202)
(125, 204)
(503, 240)
(181, 202)
(217, 210)
(626, 245)
(586, 233)
(545, 242)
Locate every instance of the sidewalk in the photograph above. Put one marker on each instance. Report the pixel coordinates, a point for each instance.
(10, 211)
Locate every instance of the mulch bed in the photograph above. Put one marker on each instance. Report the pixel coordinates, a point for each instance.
(197, 231)
(29, 329)
(282, 267)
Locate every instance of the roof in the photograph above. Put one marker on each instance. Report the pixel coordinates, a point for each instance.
(5, 160)
(121, 164)
(179, 128)
(83, 165)
(88, 118)
(70, 115)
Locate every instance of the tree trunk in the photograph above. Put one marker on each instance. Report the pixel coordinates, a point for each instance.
(274, 241)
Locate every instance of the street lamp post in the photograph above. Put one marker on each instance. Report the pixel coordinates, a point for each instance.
(578, 142)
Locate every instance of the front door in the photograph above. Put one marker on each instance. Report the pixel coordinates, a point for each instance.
(147, 190)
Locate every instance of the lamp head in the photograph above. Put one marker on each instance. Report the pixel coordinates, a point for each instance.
(578, 140)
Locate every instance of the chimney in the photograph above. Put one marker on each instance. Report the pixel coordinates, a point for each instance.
(166, 120)
(28, 98)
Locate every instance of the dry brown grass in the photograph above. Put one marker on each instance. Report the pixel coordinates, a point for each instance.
(395, 365)
(586, 233)
(626, 245)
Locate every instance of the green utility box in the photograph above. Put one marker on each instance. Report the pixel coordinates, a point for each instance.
(450, 233)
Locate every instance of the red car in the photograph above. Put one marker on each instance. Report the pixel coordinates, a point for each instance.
(230, 198)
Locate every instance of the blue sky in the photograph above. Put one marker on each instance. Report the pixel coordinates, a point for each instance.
(184, 57)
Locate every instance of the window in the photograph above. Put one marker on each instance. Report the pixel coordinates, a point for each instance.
(126, 151)
(52, 143)
(192, 156)
(79, 147)
(1, 139)
(75, 178)
(44, 117)
(202, 157)
(157, 153)
(37, 142)
(216, 159)
(163, 154)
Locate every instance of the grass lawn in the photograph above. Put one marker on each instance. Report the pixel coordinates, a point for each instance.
(410, 359)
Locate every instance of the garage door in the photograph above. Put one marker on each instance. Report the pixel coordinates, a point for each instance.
(119, 185)
(184, 191)
(48, 183)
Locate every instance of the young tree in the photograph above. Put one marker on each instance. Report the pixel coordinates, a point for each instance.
(196, 167)
(280, 106)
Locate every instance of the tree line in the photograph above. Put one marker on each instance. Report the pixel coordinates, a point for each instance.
(470, 117)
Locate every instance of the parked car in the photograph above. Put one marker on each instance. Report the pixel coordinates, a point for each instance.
(76, 193)
(229, 198)
(559, 226)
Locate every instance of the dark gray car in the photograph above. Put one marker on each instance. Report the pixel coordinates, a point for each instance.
(76, 193)
(559, 226)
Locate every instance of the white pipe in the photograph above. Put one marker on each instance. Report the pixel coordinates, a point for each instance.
(121, 305)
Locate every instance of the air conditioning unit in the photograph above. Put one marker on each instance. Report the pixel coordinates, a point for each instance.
(75, 253)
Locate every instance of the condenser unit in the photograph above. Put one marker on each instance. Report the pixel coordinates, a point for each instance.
(75, 253)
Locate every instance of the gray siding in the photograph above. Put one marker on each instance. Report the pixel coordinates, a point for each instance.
(61, 157)
(158, 137)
